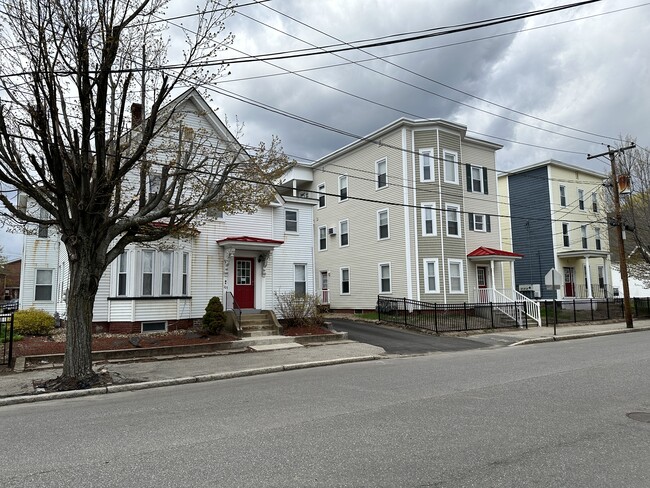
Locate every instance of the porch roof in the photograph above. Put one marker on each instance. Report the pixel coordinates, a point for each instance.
(583, 253)
(248, 242)
(490, 254)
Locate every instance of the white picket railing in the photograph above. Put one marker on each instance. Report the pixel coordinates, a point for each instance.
(508, 296)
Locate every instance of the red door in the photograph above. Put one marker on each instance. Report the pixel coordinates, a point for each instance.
(245, 282)
(568, 282)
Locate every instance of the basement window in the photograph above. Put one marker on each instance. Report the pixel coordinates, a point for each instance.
(160, 326)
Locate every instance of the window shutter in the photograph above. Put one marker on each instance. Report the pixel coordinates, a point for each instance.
(485, 181)
(487, 224)
(470, 221)
(468, 176)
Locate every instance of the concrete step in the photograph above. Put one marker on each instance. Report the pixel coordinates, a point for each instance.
(275, 347)
(259, 341)
(258, 333)
(253, 317)
(265, 326)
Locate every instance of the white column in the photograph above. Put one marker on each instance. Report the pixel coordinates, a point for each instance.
(492, 273)
(512, 275)
(605, 281)
(588, 272)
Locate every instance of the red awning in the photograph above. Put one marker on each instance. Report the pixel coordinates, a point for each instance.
(248, 239)
(488, 252)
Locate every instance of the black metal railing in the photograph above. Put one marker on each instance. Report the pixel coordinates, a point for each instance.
(231, 304)
(590, 310)
(451, 317)
(6, 338)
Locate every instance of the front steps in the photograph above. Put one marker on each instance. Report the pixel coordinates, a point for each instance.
(257, 324)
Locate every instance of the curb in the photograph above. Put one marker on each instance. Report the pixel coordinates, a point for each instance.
(568, 337)
(179, 381)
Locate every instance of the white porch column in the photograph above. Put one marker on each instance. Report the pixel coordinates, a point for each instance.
(588, 272)
(605, 282)
(512, 275)
(492, 276)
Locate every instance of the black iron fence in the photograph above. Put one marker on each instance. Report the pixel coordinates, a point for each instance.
(6, 338)
(590, 310)
(451, 317)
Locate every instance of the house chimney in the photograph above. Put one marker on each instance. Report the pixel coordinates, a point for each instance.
(136, 115)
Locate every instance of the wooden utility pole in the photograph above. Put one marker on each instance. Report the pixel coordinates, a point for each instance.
(619, 230)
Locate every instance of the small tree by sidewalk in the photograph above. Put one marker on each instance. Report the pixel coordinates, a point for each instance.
(299, 309)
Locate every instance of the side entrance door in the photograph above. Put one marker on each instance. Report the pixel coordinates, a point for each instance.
(569, 287)
(244, 289)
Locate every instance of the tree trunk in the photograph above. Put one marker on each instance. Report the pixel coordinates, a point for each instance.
(86, 268)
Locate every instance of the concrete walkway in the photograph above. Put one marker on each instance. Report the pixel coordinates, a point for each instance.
(166, 371)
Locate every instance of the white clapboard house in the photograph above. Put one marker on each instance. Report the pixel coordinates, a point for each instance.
(243, 258)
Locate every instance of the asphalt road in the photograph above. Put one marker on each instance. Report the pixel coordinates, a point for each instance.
(401, 341)
(549, 415)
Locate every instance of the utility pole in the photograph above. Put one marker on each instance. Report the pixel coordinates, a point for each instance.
(619, 230)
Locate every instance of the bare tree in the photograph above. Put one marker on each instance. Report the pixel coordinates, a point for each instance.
(67, 80)
(633, 168)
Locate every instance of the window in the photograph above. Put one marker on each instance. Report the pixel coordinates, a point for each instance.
(121, 274)
(343, 188)
(185, 273)
(43, 287)
(453, 226)
(565, 234)
(384, 278)
(583, 233)
(321, 195)
(601, 277)
(344, 237)
(382, 173)
(323, 280)
(166, 260)
(456, 276)
(479, 222)
(594, 202)
(431, 276)
(43, 229)
(428, 219)
(562, 196)
(451, 166)
(345, 281)
(147, 273)
(322, 238)
(581, 199)
(300, 279)
(291, 220)
(160, 326)
(597, 234)
(153, 185)
(477, 179)
(382, 224)
(426, 165)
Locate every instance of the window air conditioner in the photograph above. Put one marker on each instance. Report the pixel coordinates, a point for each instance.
(331, 231)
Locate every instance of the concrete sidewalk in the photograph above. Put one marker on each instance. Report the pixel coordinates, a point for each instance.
(166, 371)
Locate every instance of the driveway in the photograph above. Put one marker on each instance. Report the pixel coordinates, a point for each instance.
(400, 341)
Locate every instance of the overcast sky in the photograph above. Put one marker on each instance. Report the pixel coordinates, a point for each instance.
(590, 71)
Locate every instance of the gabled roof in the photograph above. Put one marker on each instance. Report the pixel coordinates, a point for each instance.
(482, 251)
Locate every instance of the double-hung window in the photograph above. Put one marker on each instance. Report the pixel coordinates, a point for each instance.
(322, 238)
(453, 220)
(122, 274)
(562, 196)
(321, 195)
(344, 236)
(43, 285)
(477, 179)
(565, 234)
(428, 219)
(300, 279)
(291, 220)
(581, 199)
(43, 229)
(597, 234)
(185, 273)
(594, 202)
(384, 278)
(147, 273)
(381, 169)
(431, 276)
(426, 165)
(345, 281)
(451, 166)
(343, 188)
(456, 284)
(382, 224)
(583, 233)
(166, 263)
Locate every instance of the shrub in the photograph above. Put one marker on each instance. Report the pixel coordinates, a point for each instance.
(299, 310)
(214, 319)
(4, 334)
(33, 322)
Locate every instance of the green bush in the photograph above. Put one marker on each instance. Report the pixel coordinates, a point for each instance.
(214, 319)
(33, 322)
(4, 335)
